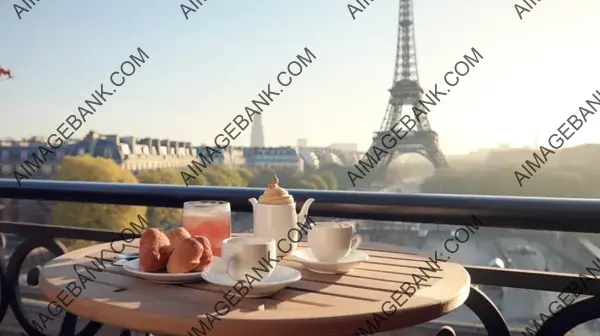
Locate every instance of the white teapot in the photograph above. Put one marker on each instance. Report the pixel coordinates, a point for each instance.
(281, 223)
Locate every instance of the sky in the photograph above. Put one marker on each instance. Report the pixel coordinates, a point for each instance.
(203, 71)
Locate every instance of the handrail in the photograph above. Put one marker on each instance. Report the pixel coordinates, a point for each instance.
(576, 215)
(534, 213)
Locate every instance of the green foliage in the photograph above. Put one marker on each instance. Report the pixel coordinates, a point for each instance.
(306, 185)
(330, 180)
(262, 178)
(118, 217)
(246, 174)
(549, 181)
(200, 180)
(318, 182)
(216, 178)
(90, 215)
(158, 215)
(232, 177)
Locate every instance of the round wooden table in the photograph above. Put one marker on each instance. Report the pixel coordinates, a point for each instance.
(378, 295)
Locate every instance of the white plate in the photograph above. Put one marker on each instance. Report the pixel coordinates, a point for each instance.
(133, 267)
(278, 280)
(306, 258)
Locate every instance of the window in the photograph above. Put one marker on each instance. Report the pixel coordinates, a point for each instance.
(24, 155)
(125, 149)
(5, 155)
(108, 153)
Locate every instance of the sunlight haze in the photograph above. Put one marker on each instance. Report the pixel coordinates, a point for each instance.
(203, 71)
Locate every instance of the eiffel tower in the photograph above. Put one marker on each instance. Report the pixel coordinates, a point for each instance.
(406, 92)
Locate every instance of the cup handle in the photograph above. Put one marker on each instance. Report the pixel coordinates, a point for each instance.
(227, 262)
(233, 259)
(355, 242)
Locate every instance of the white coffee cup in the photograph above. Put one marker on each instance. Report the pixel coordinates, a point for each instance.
(252, 256)
(332, 241)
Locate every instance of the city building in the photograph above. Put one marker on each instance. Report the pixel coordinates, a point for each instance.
(217, 158)
(273, 157)
(135, 154)
(128, 152)
(316, 157)
(328, 156)
(257, 137)
(346, 147)
(234, 157)
(311, 159)
(14, 153)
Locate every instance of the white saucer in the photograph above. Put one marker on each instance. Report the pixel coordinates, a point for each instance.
(278, 280)
(133, 267)
(306, 258)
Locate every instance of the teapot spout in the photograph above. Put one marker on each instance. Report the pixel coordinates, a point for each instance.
(304, 211)
(253, 201)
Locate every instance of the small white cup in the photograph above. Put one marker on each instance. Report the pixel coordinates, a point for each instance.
(252, 256)
(332, 241)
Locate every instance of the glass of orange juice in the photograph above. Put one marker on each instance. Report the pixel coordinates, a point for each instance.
(211, 219)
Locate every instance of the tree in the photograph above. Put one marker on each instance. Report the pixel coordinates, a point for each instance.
(318, 182)
(216, 178)
(262, 178)
(199, 180)
(233, 177)
(307, 185)
(329, 179)
(341, 175)
(91, 215)
(157, 216)
(246, 174)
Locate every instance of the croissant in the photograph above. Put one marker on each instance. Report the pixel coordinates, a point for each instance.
(155, 250)
(177, 235)
(185, 257)
(207, 255)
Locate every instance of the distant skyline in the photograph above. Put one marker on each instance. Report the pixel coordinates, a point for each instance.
(202, 72)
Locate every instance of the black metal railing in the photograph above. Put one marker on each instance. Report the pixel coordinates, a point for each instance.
(542, 214)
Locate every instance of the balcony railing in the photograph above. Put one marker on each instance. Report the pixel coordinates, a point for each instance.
(542, 214)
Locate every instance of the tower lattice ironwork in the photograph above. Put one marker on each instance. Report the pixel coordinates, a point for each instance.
(406, 93)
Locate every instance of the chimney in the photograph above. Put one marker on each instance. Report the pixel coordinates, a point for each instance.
(92, 135)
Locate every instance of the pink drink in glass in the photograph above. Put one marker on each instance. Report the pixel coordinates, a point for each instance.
(211, 219)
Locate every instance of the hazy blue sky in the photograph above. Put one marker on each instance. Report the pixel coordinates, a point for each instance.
(203, 71)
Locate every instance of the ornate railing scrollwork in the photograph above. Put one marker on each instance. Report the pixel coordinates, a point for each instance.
(11, 290)
(568, 318)
(488, 313)
(446, 331)
(498, 214)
